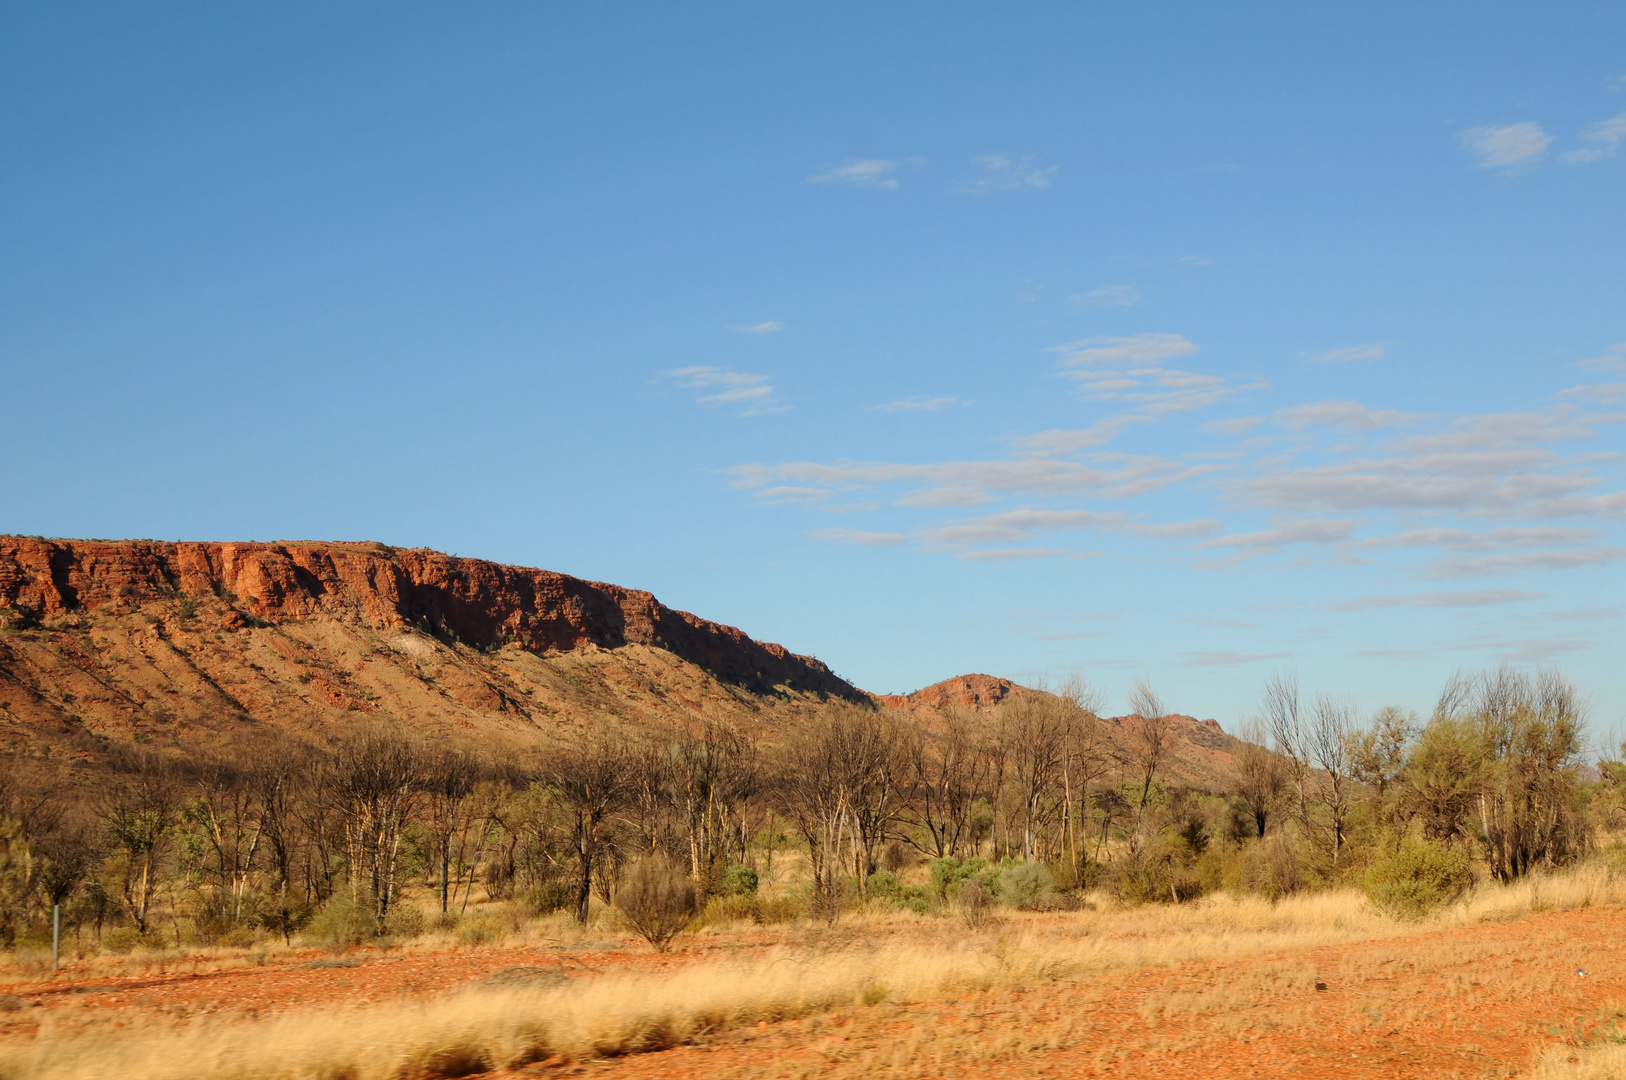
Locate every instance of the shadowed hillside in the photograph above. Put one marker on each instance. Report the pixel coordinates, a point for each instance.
(156, 641)
(113, 640)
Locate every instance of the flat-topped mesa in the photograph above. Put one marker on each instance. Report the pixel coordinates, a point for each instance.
(478, 603)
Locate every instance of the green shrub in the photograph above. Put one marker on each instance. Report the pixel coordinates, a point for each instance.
(883, 885)
(406, 921)
(240, 937)
(738, 881)
(480, 930)
(551, 896)
(341, 924)
(122, 941)
(947, 872)
(1417, 876)
(1026, 886)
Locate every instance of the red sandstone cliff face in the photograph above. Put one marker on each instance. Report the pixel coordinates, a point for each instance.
(478, 603)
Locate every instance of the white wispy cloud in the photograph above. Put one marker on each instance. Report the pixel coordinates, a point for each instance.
(1001, 172)
(917, 405)
(1130, 370)
(1194, 261)
(1350, 416)
(1064, 442)
(1014, 526)
(750, 393)
(1455, 539)
(1004, 554)
(944, 497)
(1146, 348)
(1236, 425)
(1465, 599)
(1304, 531)
(1375, 350)
(859, 536)
(1109, 296)
(1506, 146)
(1122, 476)
(1613, 358)
(1602, 139)
(769, 327)
(870, 174)
(1532, 560)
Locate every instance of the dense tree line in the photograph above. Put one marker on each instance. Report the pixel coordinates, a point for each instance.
(1031, 802)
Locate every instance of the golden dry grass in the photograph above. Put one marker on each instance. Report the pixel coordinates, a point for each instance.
(812, 972)
(1603, 1062)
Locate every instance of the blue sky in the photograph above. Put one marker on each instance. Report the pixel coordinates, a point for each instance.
(1189, 342)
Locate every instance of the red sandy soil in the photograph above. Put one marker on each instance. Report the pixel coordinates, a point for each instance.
(1473, 1002)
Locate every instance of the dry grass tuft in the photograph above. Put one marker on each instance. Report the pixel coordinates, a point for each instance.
(1605, 1061)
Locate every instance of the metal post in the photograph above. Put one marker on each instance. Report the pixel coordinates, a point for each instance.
(56, 933)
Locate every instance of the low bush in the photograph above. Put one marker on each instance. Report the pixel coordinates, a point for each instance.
(946, 873)
(341, 924)
(883, 885)
(1026, 886)
(481, 930)
(977, 906)
(551, 896)
(657, 900)
(758, 909)
(406, 921)
(1271, 868)
(121, 941)
(1415, 877)
(738, 881)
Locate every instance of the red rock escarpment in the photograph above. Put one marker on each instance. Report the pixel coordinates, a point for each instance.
(479, 603)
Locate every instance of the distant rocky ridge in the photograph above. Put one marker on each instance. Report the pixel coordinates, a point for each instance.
(227, 645)
(471, 601)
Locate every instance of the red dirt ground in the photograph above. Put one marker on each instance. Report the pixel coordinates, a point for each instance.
(1472, 1002)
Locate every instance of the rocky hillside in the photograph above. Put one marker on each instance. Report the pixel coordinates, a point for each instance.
(1199, 751)
(113, 639)
(195, 642)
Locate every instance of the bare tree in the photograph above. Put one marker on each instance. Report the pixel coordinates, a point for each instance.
(1331, 727)
(1261, 776)
(1145, 750)
(450, 777)
(1035, 730)
(378, 777)
(137, 810)
(1283, 720)
(275, 779)
(1090, 755)
(650, 809)
(714, 776)
(593, 778)
(947, 774)
(841, 786)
